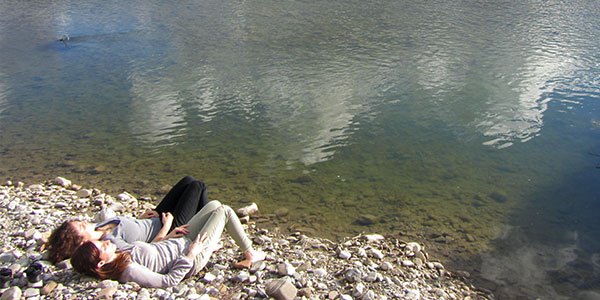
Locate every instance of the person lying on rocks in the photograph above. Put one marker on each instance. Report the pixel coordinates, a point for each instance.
(166, 263)
(167, 220)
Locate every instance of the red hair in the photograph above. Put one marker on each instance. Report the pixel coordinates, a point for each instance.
(87, 256)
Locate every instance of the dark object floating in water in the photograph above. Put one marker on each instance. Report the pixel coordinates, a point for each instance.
(111, 36)
(64, 39)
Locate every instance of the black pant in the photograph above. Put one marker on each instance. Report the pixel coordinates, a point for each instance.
(184, 200)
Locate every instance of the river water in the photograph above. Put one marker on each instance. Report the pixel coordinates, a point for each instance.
(471, 126)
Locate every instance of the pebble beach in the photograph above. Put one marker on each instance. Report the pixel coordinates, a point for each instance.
(368, 266)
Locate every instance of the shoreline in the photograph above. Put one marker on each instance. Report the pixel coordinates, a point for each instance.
(362, 267)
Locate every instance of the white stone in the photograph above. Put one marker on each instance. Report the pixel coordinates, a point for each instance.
(414, 247)
(320, 272)
(62, 181)
(412, 294)
(371, 277)
(104, 214)
(242, 276)
(408, 263)
(36, 187)
(376, 253)
(285, 269)
(386, 266)
(129, 200)
(373, 237)
(108, 283)
(209, 277)
(247, 210)
(361, 252)
(344, 254)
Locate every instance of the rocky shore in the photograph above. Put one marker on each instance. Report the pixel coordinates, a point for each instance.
(297, 267)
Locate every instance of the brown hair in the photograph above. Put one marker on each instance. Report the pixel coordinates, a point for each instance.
(62, 242)
(87, 256)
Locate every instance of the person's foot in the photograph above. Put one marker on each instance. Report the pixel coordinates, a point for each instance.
(252, 257)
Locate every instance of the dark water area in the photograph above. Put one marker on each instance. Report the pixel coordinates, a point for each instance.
(471, 126)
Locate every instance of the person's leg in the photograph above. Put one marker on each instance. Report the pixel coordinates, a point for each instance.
(189, 203)
(167, 204)
(220, 218)
(197, 222)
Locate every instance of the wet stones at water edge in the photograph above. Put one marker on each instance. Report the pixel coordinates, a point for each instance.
(298, 266)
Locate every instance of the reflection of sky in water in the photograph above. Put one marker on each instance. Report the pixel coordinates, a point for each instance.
(156, 116)
(3, 95)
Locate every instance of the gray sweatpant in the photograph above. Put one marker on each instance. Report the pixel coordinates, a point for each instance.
(212, 219)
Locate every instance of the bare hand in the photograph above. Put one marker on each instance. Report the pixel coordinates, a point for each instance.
(197, 245)
(148, 214)
(167, 219)
(178, 232)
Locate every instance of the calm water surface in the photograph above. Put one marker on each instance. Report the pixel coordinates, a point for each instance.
(472, 125)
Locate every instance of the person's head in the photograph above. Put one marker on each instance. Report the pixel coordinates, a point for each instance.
(64, 240)
(100, 259)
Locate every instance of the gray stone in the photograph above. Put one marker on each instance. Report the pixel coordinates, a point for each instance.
(358, 290)
(372, 277)
(12, 293)
(242, 276)
(7, 257)
(107, 283)
(64, 265)
(259, 266)
(376, 253)
(285, 269)
(282, 212)
(414, 247)
(84, 193)
(368, 295)
(352, 275)
(386, 266)
(31, 292)
(281, 289)
(106, 293)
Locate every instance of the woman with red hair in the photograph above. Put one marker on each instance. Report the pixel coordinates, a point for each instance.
(166, 263)
(180, 204)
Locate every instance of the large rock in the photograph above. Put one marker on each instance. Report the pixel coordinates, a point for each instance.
(281, 289)
(13, 293)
